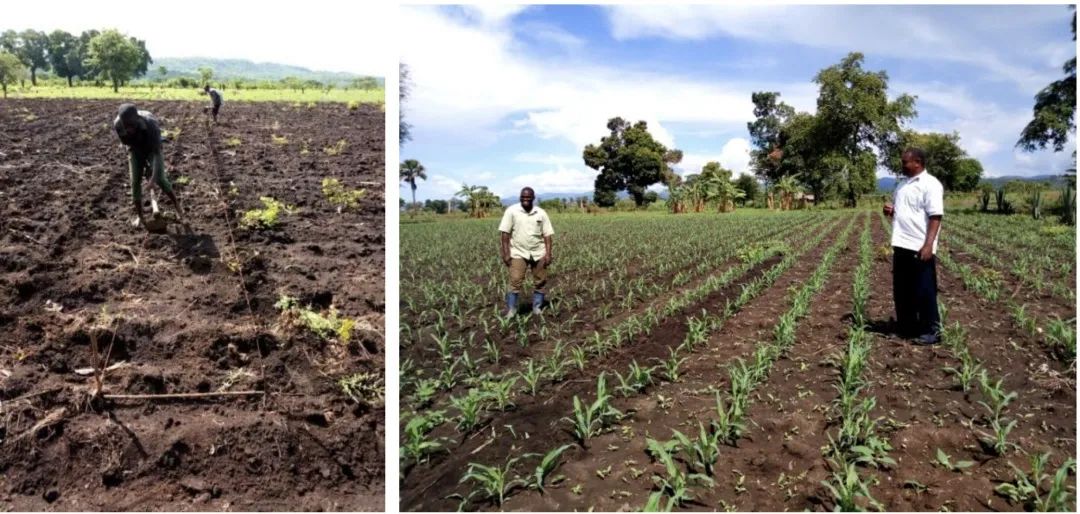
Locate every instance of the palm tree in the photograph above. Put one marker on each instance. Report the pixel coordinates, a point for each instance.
(411, 170)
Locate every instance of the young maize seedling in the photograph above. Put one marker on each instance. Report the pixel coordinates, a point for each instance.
(946, 462)
(491, 349)
(469, 407)
(501, 393)
(493, 482)
(701, 452)
(846, 487)
(547, 465)
(426, 389)
(670, 366)
(416, 447)
(578, 357)
(728, 424)
(993, 391)
(636, 380)
(675, 485)
(531, 376)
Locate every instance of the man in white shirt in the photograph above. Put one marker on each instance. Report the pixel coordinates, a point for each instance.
(916, 210)
(526, 244)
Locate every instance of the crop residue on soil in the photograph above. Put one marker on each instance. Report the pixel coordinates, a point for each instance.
(190, 312)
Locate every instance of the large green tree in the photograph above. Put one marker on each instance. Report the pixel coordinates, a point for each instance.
(64, 55)
(11, 70)
(855, 117)
(1054, 111)
(945, 159)
(89, 69)
(767, 133)
(628, 158)
(835, 151)
(34, 52)
(115, 57)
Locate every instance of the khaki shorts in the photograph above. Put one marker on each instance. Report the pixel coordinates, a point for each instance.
(519, 266)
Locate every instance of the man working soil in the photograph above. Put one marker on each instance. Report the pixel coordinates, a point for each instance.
(139, 131)
(215, 98)
(526, 244)
(916, 210)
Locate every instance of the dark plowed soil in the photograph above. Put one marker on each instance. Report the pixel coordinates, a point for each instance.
(188, 311)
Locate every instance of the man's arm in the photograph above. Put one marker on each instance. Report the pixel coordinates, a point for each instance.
(927, 250)
(548, 256)
(504, 248)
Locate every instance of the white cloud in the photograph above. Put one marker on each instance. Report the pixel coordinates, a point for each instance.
(561, 179)
(735, 156)
(548, 159)
(476, 81)
(971, 36)
(319, 34)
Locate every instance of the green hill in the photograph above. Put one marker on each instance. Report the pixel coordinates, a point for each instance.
(225, 69)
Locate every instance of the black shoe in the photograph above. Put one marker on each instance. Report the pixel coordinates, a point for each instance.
(928, 340)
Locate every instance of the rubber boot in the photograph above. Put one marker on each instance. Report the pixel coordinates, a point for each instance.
(538, 302)
(511, 304)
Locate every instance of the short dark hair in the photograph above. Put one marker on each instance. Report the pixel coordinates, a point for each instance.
(127, 113)
(529, 189)
(916, 153)
(206, 87)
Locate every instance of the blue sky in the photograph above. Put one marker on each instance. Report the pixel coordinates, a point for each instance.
(507, 96)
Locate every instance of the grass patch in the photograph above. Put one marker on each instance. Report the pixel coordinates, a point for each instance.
(145, 92)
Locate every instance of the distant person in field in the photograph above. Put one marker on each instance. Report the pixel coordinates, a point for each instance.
(215, 98)
(139, 131)
(916, 210)
(526, 244)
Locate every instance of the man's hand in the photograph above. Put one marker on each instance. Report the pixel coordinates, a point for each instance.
(506, 260)
(926, 252)
(547, 259)
(887, 209)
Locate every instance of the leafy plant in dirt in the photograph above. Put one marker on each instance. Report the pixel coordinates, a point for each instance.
(330, 326)
(448, 376)
(425, 392)
(233, 142)
(969, 370)
(469, 365)
(469, 408)
(999, 399)
(556, 367)
(493, 483)
(670, 366)
(547, 465)
(701, 452)
(636, 379)
(336, 148)
(728, 425)
(997, 440)
(578, 357)
(531, 375)
(364, 388)
(501, 393)
(593, 419)
(1061, 334)
(339, 196)
(266, 218)
(417, 447)
(674, 484)
(444, 345)
(1026, 489)
(846, 487)
(491, 349)
(946, 462)
(279, 140)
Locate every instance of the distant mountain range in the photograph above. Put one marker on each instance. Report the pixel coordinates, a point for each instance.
(242, 68)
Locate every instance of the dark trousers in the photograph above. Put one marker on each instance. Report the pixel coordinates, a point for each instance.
(915, 293)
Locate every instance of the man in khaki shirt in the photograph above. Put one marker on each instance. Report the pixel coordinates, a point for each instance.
(526, 244)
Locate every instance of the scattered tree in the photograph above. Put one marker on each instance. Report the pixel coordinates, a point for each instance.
(629, 158)
(11, 70)
(115, 57)
(404, 88)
